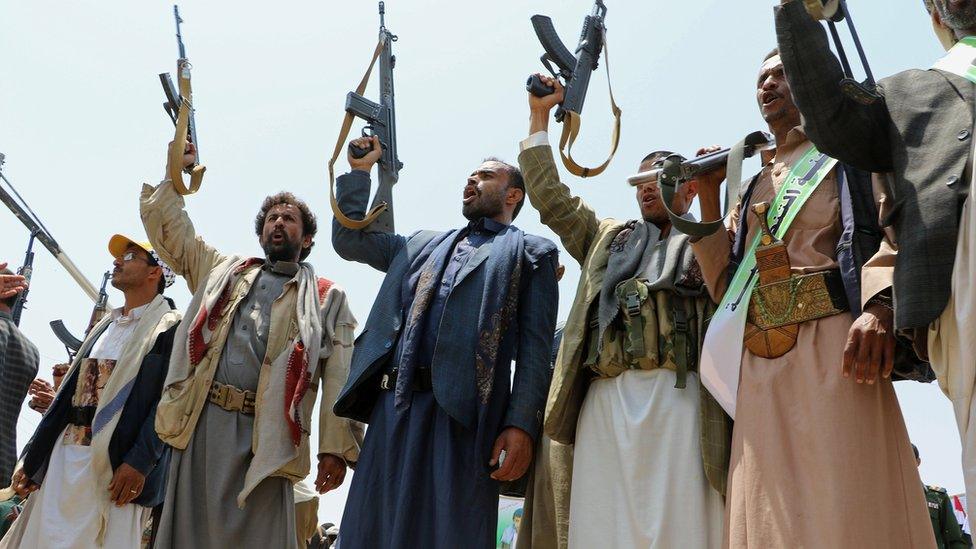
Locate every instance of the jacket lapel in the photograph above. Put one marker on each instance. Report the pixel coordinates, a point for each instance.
(477, 258)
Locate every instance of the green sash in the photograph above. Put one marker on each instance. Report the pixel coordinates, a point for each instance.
(722, 350)
(959, 60)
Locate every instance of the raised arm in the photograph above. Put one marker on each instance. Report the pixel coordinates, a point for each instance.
(376, 249)
(849, 131)
(171, 232)
(568, 216)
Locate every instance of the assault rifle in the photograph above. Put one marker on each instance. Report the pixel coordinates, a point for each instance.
(676, 170)
(15, 202)
(179, 108)
(575, 69)
(72, 343)
(833, 12)
(380, 121)
(25, 271)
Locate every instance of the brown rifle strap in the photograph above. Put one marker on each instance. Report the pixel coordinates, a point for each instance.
(820, 10)
(571, 129)
(371, 215)
(178, 146)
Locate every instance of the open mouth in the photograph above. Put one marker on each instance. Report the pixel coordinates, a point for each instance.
(470, 195)
(277, 237)
(768, 98)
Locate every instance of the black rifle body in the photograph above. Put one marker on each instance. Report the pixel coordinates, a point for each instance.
(380, 121)
(576, 68)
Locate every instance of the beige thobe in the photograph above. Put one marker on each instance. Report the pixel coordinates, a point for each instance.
(818, 460)
(952, 346)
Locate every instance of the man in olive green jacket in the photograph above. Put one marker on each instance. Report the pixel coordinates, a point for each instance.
(624, 389)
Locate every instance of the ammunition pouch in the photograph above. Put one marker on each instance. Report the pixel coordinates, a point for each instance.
(655, 329)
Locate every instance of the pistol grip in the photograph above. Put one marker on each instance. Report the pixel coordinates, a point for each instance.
(358, 152)
(535, 86)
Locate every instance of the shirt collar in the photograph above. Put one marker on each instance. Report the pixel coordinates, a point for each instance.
(485, 224)
(286, 268)
(6, 314)
(133, 316)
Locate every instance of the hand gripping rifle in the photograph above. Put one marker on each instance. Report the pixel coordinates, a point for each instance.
(38, 231)
(179, 107)
(575, 70)
(26, 271)
(380, 121)
(675, 170)
(833, 12)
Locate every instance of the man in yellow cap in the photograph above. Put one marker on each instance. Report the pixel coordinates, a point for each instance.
(95, 461)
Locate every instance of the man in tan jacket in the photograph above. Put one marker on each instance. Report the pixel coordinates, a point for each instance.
(624, 387)
(261, 335)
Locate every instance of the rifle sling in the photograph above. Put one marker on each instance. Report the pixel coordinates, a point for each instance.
(375, 212)
(178, 146)
(571, 129)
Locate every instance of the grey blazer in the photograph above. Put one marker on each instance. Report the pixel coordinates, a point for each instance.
(921, 131)
(528, 342)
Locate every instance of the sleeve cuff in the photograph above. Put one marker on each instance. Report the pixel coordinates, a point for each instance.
(535, 140)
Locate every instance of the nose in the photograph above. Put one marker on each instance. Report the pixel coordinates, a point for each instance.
(471, 182)
(117, 262)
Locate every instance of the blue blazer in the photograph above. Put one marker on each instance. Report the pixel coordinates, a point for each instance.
(528, 341)
(134, 440)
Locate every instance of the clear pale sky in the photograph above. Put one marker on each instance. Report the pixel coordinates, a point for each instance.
(82, 126)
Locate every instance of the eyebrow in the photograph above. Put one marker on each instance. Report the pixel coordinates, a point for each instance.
(484, 171)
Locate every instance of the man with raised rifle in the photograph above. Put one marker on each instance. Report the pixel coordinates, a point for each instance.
(432, 370)
(625, 387)
(18, 366)
(817, 459)
(95, 461)
(262, 334)
(921, 130)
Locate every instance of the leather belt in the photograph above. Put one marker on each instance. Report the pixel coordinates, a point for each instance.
(421, 380)
(798, 299)
(81, 416)
(232, 399)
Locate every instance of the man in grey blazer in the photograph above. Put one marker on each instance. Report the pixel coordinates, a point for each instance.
(431, 371)
(921, 131)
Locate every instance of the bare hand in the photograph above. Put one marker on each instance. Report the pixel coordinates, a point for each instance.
(332, 471)
(21, 484)
(518, 454)
(189, 156)
(372, 157)
(711, 181)
(870, 345)
(126, 485)
(11, 285)
(547, 102)
(42, 394)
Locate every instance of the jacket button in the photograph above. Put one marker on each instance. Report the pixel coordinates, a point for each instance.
(388, 344)
(952, 180)
(963, 135)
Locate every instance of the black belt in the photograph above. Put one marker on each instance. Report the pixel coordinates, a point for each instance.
(421, 380)
(838, 293)
(81, 415)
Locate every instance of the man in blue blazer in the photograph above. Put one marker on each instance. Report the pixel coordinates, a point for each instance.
(431, 371)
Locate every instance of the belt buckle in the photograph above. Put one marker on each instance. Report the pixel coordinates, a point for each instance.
(235, 400)
(632, 300)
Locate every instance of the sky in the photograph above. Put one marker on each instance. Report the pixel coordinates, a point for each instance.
(82, 126)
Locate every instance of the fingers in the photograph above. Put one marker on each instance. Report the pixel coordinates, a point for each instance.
(861, 361)
(330, 477)
(850, 350)
(504, 473)
(877, 356)
(708, 150)
(496, 451)
(889, 356)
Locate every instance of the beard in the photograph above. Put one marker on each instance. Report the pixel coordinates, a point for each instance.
(958, 14)
(286, 250)
(484, 205)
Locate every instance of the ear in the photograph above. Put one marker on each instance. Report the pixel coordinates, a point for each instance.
(690, 190)
(945, 35)
(307, 241)
(515, 195)
(156, 274)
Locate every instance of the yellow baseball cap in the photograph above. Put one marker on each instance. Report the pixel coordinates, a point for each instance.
(118, 244)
